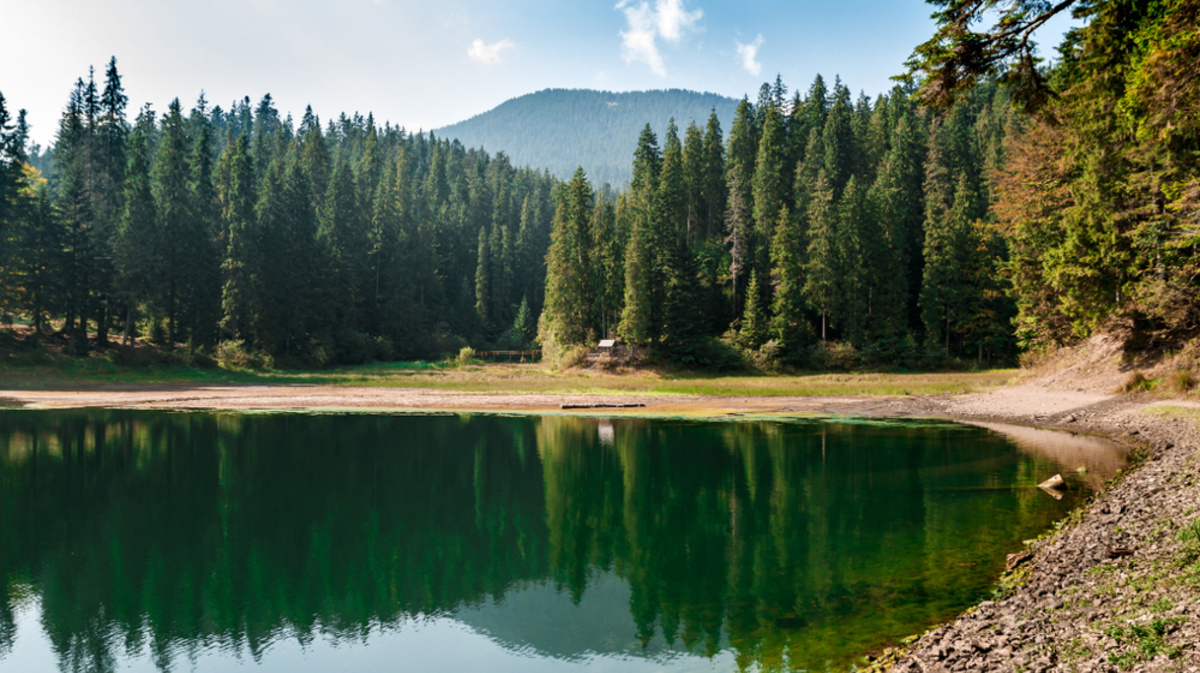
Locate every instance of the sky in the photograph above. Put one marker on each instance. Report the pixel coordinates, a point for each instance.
(426, 64)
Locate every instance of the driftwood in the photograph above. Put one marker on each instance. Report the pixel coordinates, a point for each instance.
(1013, 560)
(1053, 482)
(601, 406)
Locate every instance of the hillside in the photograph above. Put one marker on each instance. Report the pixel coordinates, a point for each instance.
(562, 129)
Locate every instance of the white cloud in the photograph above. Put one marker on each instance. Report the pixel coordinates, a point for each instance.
(487, 54)
(673, 19)
(668, 19)
(749, 55)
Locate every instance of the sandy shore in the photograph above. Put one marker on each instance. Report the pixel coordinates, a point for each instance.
(382, 399)
(1114, 591)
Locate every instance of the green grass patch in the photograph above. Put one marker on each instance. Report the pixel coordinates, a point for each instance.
(50, 372)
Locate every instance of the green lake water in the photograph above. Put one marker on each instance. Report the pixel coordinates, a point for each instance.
(143, 541)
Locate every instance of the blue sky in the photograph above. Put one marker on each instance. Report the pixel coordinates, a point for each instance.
(432, 63)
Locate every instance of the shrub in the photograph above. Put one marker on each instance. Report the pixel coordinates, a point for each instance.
(381, 349)
(466, 354)
(1137, 383)
(1181, 381)
(235, 355)
(835, 356)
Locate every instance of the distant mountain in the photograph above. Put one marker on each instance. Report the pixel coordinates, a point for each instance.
(562, 129)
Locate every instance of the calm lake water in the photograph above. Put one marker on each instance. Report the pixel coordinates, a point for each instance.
(143, 541)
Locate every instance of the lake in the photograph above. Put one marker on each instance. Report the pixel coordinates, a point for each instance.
(154, 541)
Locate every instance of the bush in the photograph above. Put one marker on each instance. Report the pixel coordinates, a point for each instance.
(352, 347)
(835, 356)
(719, 355)
(1136, 383)
(1181, 381)
(381, 349)
(235, 355)
(130, 356)
(900, 352)
(466, 354)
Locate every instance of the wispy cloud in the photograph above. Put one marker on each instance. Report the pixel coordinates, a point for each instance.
(668, 19)
(487, 54)
(749, 55)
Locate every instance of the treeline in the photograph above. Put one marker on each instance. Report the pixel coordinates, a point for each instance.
(1101, 197)
(820, 219)
(561, 129)
(242, 230)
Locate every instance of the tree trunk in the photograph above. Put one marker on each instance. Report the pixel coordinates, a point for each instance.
(127, 335)
(102, 326)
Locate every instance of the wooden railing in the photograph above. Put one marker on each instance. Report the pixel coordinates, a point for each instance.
(509, 356)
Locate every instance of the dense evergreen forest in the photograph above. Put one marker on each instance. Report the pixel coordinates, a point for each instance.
(821, 218)
(563, 129)
(989, 203)
(304, 243)
(993, 202)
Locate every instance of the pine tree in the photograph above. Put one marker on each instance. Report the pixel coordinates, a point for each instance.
(945, 292)
(176, 223)
(755, 321)
(202, 295)
(852, 302)
(680, 317)
(138, 265)
(640, 316)
(569, 295)
(895, 200)
(839, 141)
(109, 141)
(235, 196)
(769, 186)
(788, 323)
(713, 189)
(72, 161)
(821, 258)
(739, 179)
(483, 279)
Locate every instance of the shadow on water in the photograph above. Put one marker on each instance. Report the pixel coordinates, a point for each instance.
(777, 546)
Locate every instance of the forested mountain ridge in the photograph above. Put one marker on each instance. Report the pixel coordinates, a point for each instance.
(563, 129)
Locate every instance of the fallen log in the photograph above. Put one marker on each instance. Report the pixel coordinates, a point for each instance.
(601, 406)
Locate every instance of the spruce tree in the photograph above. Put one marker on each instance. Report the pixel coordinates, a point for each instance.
(821, 258)
(483, 279)
(680, 316)
(788, 323)
(569, 293)
(176, 223)
(852, 294)
(713, 189)
(770, 185)
(137, 262)
(72, 158)
(640, 316)
(203, 290)
(839, 141)
(755, 329)
(236, 199)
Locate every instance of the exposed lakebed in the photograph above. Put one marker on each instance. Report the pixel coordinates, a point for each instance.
(139, 540)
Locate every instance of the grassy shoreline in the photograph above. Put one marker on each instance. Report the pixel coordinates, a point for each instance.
(99, 373)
